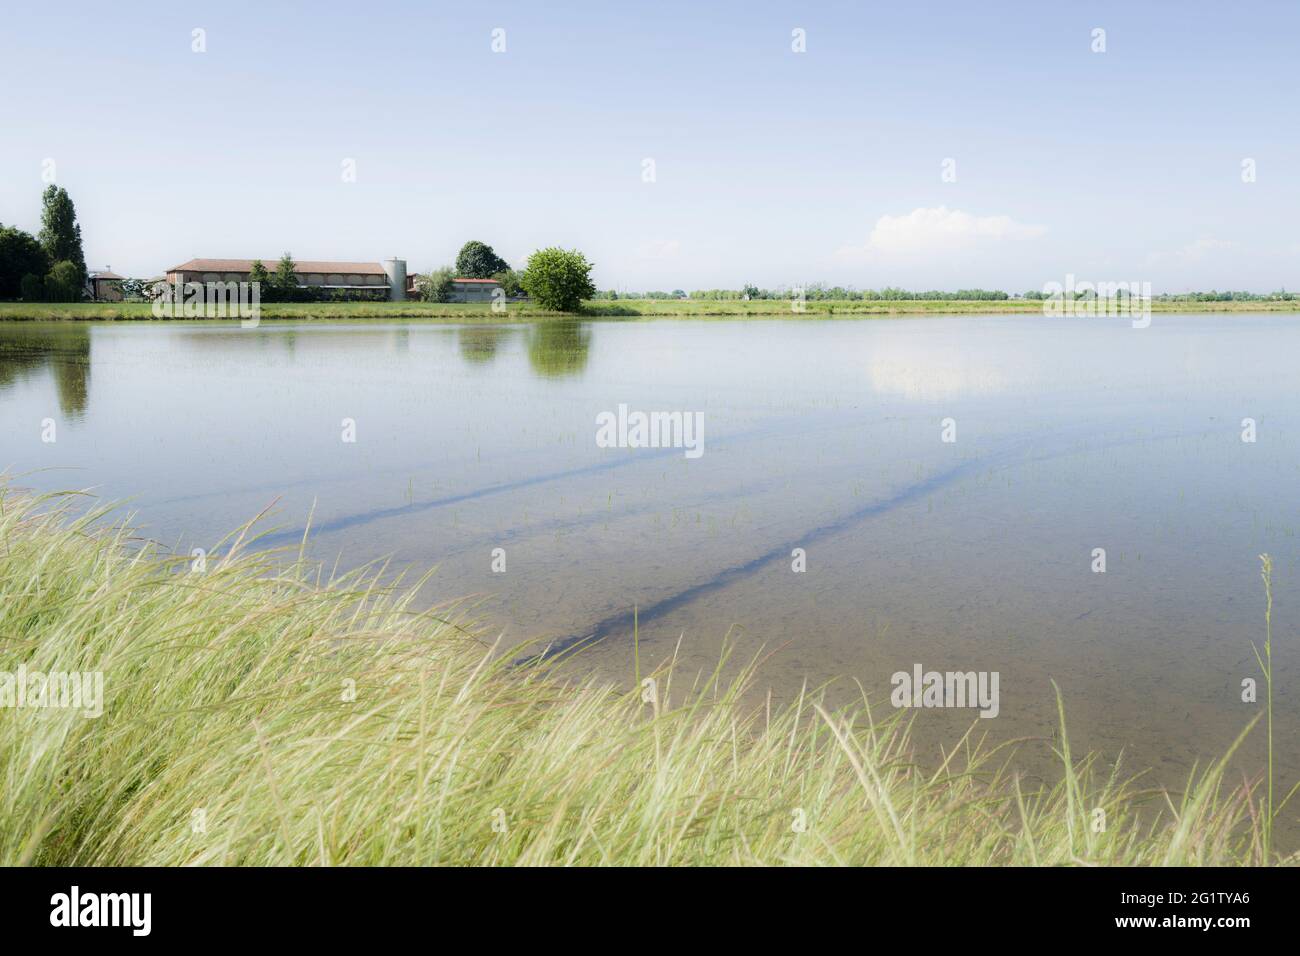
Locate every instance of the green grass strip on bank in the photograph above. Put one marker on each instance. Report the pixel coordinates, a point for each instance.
(262, 713)
(621, 308)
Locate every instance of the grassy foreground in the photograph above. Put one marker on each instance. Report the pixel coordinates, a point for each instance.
(257, 713)
(621, 308)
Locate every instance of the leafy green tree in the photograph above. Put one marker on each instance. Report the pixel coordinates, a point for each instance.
(558, 279)
(437, 285)
(60, 234)
(20, 255)
(477, 260)
(510, 283)
(32, 288)
(257, 273)
(285, 280)
(63, 283)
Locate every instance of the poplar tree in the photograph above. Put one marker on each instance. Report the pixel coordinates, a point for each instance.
(60, 235)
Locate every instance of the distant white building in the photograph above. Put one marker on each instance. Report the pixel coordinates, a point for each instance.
(473, 290)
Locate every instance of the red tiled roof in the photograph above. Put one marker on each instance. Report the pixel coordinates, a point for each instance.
(306, 265)
(105, 275)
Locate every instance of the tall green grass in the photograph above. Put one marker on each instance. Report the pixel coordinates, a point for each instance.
(262, 712)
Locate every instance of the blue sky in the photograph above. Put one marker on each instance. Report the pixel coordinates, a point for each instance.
(771, 166)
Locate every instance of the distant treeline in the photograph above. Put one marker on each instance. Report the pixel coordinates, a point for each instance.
(1212, 296)
(819, 291)
(813, 291)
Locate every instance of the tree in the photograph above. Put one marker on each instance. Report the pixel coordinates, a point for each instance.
(32, 288)
(285, 280)
(257, 273)
(63, 283)
(477, 260)
(60, 234)
(509, 280)
(20, 255)
(558, 279)
(437, 285)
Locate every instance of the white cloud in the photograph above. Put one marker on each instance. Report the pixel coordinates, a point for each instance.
(939, 229)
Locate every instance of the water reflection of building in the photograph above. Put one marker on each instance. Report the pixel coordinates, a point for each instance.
(479, 343)
(63, 350)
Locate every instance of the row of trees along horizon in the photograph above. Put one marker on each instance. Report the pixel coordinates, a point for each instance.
(51, 267)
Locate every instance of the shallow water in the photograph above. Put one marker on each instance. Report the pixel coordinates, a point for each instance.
(825, 435)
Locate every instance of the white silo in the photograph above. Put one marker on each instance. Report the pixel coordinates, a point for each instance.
(396, 269)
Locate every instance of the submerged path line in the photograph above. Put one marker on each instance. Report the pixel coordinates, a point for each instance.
(397, 511)
(624, 620)
(505, 487)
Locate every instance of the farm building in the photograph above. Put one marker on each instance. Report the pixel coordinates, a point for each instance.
(473, 290)
(104, 285)
(387, 278)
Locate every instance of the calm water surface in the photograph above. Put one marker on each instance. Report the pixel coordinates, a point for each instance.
(823, 435)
